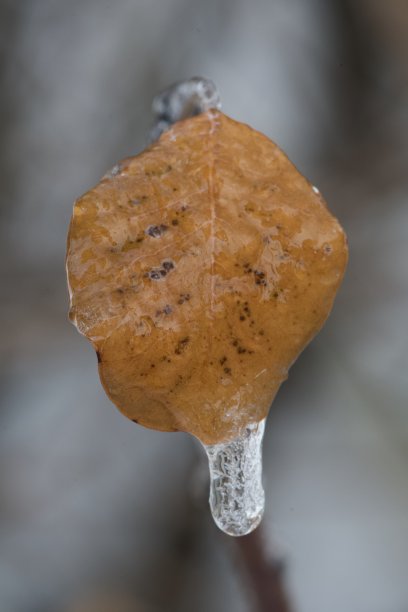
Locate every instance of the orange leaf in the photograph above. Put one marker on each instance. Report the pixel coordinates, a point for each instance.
(199, 270)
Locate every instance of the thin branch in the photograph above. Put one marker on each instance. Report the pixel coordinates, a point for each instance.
(263, 573)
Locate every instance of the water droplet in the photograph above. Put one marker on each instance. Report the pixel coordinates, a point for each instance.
(113, 171)
(237, 498)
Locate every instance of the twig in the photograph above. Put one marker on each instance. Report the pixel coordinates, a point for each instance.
(182, 100)
(264, 574)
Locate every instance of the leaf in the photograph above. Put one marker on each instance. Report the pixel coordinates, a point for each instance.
(199, 270)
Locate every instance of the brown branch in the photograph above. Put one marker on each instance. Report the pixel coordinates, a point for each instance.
(264, 574)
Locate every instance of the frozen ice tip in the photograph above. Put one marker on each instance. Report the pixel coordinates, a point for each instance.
(237, 498)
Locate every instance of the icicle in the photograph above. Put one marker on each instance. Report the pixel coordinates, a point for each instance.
(237, 497)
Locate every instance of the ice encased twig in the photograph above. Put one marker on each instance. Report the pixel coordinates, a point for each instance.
(237, 498)
(181, 100)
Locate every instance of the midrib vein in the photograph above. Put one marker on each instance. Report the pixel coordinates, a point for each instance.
(212, 199)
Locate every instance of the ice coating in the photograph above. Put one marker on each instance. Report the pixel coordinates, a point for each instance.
(181, 100)
(237, 497)
(199, 270)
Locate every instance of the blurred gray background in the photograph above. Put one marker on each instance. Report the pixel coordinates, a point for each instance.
(95, 512)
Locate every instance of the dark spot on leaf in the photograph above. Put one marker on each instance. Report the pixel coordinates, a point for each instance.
(181, 345)
(184, 297)
(168, 265)
(259, 274)
(154, 274)
(155, 231)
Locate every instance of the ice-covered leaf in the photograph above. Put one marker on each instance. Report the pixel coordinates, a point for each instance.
(199, 270)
